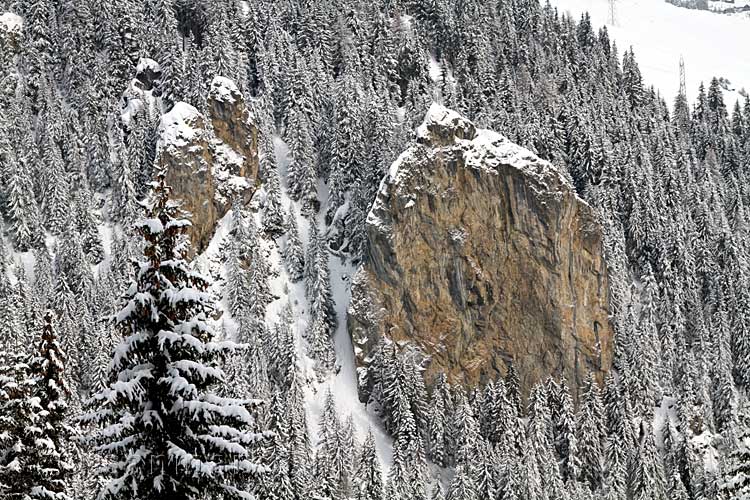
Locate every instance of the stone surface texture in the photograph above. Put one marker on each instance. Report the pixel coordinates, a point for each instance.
(481, 255)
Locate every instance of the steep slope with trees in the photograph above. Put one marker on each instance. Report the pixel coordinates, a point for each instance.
(336, 90)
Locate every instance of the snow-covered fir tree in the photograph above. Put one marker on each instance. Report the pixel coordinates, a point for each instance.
(294, 257)
(35, 462)
(368, 482)
(159, 419)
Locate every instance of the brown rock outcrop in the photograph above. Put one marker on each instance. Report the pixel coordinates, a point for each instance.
(481, 255)
(210, 161)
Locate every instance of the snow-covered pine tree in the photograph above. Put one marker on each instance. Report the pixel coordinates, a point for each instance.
(22, 208)
(541, 443)
(318, 290)
(167, 433)
(648, 481)
(33, 431)
(736, 475)
(301, 178)
(467, 431)
(294, 257)
(462, 486)
(566, 441)
(280, 348)
(17, 416)
(407, 475)
(513, 385)
(28, 311)
(277, 485)
(500, 414)
(272, 215)
(253, 334)
(591, 435)
(49, 456)
(677, 489)
(722, 389)
(42, 286)
(328, 472)
(124, 207)
(237, 282)
(37, 47)
(56, 203)
(368, 478)
(169, 55)
(249, 251)
(615, 483)
(87, 223)
(436, 430)
(320, 295)
(300, 454)
(349, 453)
(345, 167)
(311, 258)
(135, 159)
(485, 473)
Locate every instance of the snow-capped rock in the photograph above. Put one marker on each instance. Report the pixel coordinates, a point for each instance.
(482, 255)
(210, 159)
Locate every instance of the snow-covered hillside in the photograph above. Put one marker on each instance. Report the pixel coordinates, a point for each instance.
(274, 123)
(660, 33)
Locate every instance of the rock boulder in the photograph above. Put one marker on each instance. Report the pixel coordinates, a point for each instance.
(481, 255)
(210, 160)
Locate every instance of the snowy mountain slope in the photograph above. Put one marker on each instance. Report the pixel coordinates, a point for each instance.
(343, 382)
(660, 33)
(345, 84)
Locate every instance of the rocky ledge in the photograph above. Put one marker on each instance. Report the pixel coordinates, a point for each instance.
(481, 255)
(210, 160)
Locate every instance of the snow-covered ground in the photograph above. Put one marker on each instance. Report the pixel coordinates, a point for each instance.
(711, 44)
(343, 383)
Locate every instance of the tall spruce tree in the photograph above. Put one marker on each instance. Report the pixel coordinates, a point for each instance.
(167, 433)
(34, 435)
(591, 435)
(368, 478)
(294, 258)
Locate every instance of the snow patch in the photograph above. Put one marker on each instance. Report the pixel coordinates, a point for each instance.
(458, 235)
(440, 116)
(223, 89)
(435, 69)
(178, 127)
(146, 64)
(711, 44)
(12, 23)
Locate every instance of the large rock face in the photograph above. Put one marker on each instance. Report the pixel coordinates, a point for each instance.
(210, 160)
(481, 255)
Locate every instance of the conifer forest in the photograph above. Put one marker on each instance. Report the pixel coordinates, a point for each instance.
(371, 250)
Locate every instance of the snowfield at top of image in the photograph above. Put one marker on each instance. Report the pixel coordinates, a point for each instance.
(712, 45)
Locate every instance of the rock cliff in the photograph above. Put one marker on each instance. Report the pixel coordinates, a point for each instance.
(210, 159)
(482, 255)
